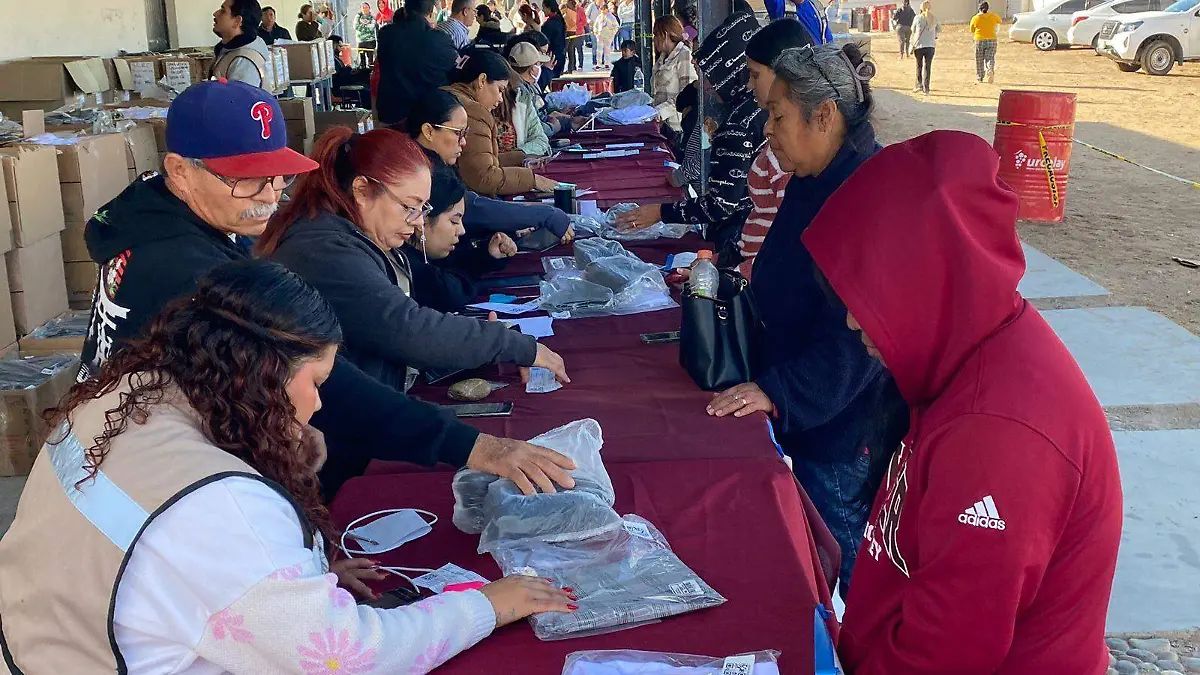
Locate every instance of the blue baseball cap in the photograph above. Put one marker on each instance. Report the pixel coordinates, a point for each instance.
(237, 129)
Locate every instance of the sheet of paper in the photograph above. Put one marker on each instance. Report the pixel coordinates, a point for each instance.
(538, 326)
(506, 308)
(584, 192)
(447, 574)
(541, 381)
(617, 146)
(590, 208)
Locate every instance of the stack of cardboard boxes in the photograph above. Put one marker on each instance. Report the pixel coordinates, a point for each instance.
(301, 123)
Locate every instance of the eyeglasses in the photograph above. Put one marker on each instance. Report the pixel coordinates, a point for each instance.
(248, 188)
(416, 214)
(461, 133)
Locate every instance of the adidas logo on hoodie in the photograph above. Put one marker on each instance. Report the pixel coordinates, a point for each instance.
(982, 514)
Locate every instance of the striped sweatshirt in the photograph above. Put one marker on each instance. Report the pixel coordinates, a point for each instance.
(767, 182)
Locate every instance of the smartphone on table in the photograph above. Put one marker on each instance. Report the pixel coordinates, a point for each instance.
(660, 338)
(482, 409)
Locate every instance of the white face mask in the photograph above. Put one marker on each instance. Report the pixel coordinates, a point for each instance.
(389, 532)
(536, 72)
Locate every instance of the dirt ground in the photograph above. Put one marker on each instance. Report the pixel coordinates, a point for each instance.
(1123, 224)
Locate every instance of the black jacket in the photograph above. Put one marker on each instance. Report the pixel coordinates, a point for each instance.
(276, 33)
(826, 389)
(414, 59)
(555, 30)
(623, 73)
(491, 36)
(485, 215)
(449, 285)
(904, 16)
(385, 329)
(152, 248)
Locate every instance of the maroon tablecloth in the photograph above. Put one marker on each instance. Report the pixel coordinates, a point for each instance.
(655, 252)
(648, 132)
(739, 524)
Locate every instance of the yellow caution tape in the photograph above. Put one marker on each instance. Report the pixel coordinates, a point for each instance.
(1107, 153)
(1049, 165)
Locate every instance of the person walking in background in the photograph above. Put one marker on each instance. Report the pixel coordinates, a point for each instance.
(366, 30)
(530, 18)
(241, 54)
(490, 33)
(903, 18)
(555, 30)
(270, 30)
(583, 26)
(924, 37)
(689, 16)
(385, 15)
(983, 29)
(414, 59)
(458, 24)
(307, 29)
(833, 12)
(605, 30)
(574, 39)
(593, 16)
(627, 15)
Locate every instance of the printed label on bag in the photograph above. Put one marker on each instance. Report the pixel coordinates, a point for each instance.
(738, 665)
(446, 575)
(686, 589)
(639, 530)
(557, 263)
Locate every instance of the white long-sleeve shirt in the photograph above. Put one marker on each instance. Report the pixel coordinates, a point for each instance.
(222, 582)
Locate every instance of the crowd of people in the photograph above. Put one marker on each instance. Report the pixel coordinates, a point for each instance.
(248, 354)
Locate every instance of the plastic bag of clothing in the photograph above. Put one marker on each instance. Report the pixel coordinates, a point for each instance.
(477, 495)
(30, 371)
(571, 96)
(635, 114)
(628, 577)
(511, 517)
(607, 280)
(628, 99)
(636, 662)
(660, 230)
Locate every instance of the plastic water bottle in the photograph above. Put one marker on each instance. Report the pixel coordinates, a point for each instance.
(704, 276)
(639, 80)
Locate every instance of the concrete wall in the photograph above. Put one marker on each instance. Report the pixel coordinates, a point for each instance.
(75, 27)
(190, 22)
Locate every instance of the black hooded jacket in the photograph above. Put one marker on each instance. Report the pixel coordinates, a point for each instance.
(413, 60)
(726, 203)
(152, 248)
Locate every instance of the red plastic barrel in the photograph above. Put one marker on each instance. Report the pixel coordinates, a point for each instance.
(885, 18)
(1033, 138)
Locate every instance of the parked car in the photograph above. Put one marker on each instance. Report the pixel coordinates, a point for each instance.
(1153, 41)
(1085, 25)
(1047, 27)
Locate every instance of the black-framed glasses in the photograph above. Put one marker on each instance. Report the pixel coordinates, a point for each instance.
(416, 214)
(461, 133)
(248, 188)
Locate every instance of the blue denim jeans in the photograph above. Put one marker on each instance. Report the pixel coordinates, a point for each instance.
(835, 490)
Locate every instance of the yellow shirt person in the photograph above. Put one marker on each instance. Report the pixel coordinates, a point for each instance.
(983, 25)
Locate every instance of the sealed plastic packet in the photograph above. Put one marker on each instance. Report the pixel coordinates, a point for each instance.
(635, 662)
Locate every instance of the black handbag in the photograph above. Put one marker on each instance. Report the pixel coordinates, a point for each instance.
(719, 338)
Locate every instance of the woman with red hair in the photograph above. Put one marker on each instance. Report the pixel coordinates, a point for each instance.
(343, 231)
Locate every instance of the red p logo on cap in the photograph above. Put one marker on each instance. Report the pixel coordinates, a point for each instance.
(262, 112)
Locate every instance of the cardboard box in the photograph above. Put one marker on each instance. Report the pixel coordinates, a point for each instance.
(6, 228)
(136, 73)
(8, 328)
(329, 56)
(279, 64)
(304, 61)
(359, 120)
(299, 108)
(81, 282)
(36, 283)
(92, 173)
(64, 334)
(34, 197)
(74, 246)
(301, 145)
(52, 78)
(22, 429)
(141, 151)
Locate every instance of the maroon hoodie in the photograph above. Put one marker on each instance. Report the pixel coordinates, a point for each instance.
(993, 541)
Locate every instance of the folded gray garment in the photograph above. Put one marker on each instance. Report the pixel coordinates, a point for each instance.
(567, 515)
(588, 251)
(624, 578)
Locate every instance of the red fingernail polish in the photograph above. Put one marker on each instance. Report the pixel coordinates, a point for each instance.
(572, 597)
(572, 607)
(568, 589)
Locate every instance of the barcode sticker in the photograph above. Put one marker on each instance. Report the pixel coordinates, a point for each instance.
(639, 530)
(738, 665)
(557, 263)
(448, 574)
(686, 589)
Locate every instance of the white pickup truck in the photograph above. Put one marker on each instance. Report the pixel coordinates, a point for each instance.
(1154, 41)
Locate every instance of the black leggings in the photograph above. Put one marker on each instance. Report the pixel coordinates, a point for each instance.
(924, 58)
